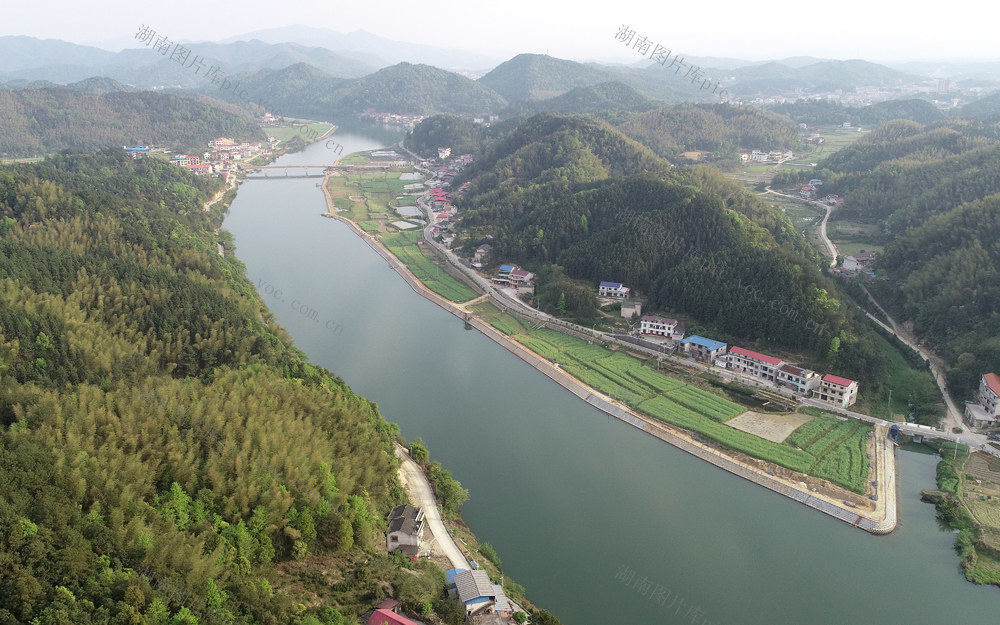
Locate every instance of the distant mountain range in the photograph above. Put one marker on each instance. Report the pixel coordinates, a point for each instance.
(327, 75)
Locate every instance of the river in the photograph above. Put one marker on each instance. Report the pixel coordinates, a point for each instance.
(603, 524)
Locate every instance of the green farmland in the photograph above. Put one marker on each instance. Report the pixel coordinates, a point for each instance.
(403, 246)
(823, 447)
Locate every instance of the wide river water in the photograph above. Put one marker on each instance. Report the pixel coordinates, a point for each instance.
(602, 523)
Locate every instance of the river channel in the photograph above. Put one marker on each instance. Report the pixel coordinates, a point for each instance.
(602, 523)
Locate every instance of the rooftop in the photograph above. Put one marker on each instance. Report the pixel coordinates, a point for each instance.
(711, 344)
(792, 369)
(612, 285)
(655, 319)
(836, 379)
(473, 584)
(746, 353)
(388, 617)
(993, 381)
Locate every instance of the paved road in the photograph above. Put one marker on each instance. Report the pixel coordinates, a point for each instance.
(421, 495)
(831, 248)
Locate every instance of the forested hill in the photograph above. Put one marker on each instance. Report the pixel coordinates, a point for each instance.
(457, 133)
(304, 91)
(42, 121)
(576, 193)
(163, 448)
(945, 276)
(720, 128)
(609, 100)
(903, 173)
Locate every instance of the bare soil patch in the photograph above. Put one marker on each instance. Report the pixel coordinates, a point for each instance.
(773, 427)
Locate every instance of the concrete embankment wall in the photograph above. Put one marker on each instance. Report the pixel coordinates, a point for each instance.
(684, 443)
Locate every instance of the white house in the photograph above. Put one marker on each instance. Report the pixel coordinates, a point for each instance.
(837, 390)
(658, 326)
(986, 413)
(802, 380)
(406, 529)
(613, 289)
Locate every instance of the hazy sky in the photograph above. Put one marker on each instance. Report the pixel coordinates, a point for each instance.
(577, 30)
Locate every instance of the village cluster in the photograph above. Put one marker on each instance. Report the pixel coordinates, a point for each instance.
(828, 388)
(223, 157)
(473, 589)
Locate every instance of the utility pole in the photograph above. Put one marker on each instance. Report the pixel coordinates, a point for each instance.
(889, 404)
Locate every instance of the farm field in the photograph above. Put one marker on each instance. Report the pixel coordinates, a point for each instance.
(823, 447)
(369, 195)
(403, 246)
(308, 132)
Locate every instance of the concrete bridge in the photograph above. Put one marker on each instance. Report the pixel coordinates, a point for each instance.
(297, 171)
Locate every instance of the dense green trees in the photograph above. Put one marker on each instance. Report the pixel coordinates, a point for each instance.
(41, 121)
(945, 276)
(715, 128)
(162, 447)
(442, 131)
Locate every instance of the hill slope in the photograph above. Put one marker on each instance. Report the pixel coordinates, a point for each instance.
(50, 120)
(576, 193)
(163, 449)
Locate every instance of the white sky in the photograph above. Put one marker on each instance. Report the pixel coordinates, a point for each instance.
(580, 30)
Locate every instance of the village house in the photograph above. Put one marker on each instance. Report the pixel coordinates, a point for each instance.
(503, 275)
(859, 262)
(659, 326)
(477, 593)
(482, 254)
(444, 153)
(522, 279)
(801, 380)
(985, 413)
(631, 309)
(184, 159)
(613, 289)
(702, 348)
(837, 390)
(754, 363)
(406, 530)
(387, 613)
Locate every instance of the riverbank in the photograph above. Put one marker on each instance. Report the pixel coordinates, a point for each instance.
(968, 500)
(880, 519)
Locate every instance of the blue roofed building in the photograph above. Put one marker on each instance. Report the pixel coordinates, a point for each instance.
(613, 289)
(703, 348)
(477, 593)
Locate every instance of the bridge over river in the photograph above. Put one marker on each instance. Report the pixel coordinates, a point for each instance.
(288, 171)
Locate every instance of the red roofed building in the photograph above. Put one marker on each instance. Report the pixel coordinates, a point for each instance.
(836, 390)
(986, 412)
(753, 363)
(387, 617)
